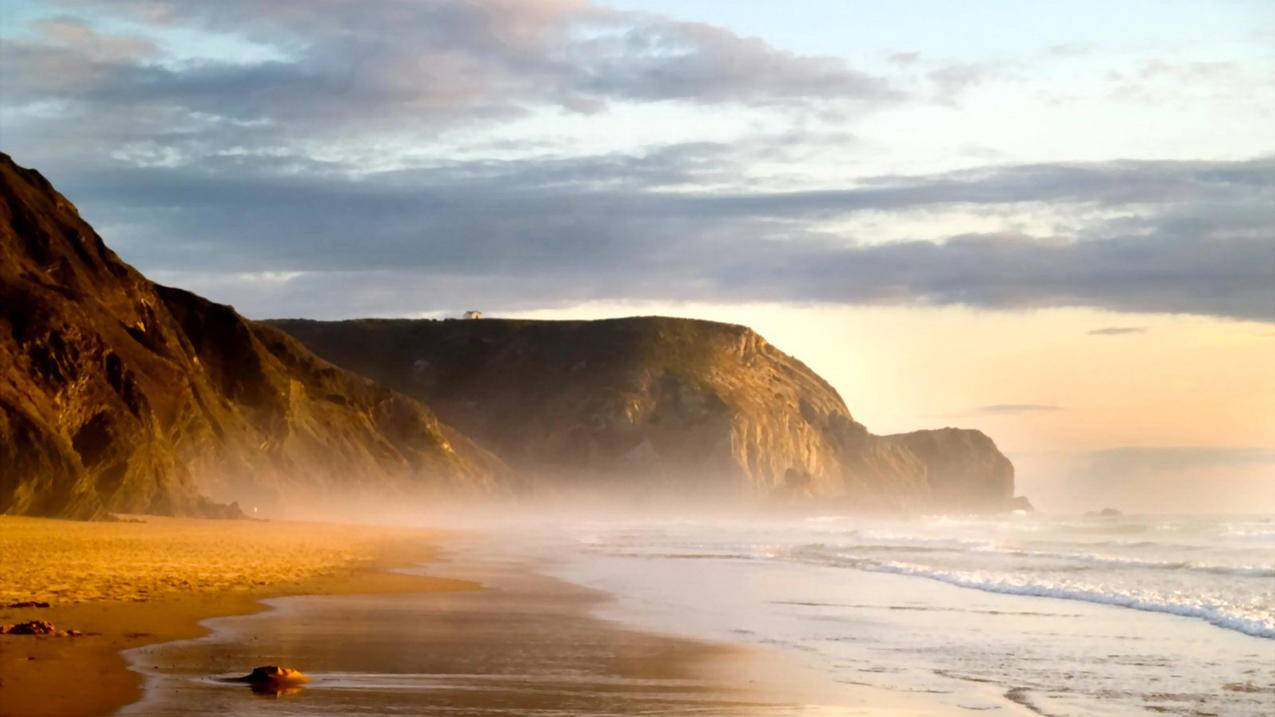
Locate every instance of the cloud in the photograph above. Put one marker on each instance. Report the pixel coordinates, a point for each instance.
(341, 69)
(1015, 408)
(1190, 237)
(226, 163)
(1117, 330)
(951, 80)
(1139, 459)
(1001, 409)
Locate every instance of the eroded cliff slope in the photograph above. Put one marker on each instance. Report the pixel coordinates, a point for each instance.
(120, 395)
(702, 407)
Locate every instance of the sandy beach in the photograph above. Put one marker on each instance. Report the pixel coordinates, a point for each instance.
(127, 584)
(182, 602)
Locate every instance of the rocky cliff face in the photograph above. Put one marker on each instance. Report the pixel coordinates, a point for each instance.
(120, 395)
(962, 467)
(698, 406)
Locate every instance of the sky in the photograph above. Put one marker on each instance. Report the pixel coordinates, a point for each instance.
(1051, 221)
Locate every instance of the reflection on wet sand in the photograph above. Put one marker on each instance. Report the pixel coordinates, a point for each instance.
(525, 645)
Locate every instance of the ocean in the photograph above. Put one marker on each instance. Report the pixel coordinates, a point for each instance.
(1063, 615)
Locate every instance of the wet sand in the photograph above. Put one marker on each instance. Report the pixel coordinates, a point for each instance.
(183, 602)
(130, 584)
(526, 644)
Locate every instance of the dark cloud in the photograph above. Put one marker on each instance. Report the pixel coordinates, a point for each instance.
(1117, 330)
(1196, 237)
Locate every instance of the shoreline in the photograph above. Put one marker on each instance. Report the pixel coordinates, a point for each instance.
(423, 620)
(527, 641)
(133, 592)
(801, 587)
(48, 675)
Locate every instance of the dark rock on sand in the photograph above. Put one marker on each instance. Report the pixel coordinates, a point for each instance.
(31, 627)
(273, 679)
(37, 627)
(27, 603)
(274, 674)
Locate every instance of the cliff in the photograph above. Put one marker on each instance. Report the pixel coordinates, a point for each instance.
(120, 395)
(963, 467)
(698, 407)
